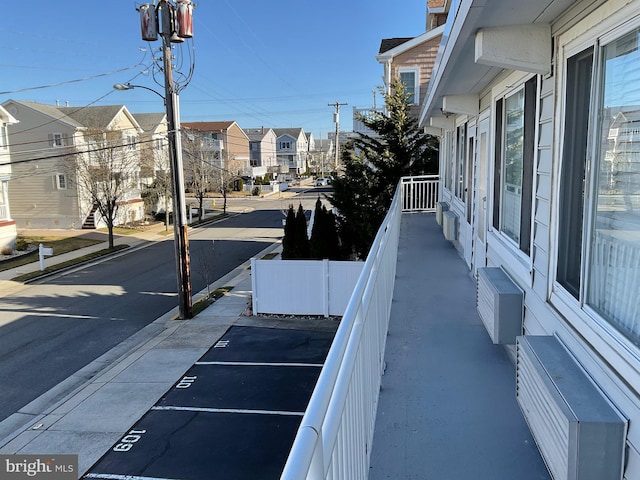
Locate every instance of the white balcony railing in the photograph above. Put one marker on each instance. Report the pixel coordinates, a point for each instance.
(338, 425)
(419, 194)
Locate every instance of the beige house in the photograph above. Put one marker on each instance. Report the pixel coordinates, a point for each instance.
(411, 60)
(44, 191)
(154, 159)
(228, 138)
(7, 224)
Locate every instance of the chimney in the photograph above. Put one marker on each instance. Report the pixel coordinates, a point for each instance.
(262, 130)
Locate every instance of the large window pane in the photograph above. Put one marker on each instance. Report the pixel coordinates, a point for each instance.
(409, 80)
(614, 275)
(572, 177)
(513, 163)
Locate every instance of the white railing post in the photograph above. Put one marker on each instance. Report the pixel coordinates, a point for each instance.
(254, 288)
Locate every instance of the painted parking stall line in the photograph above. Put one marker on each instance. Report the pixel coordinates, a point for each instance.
(234, 414)
(256, 364)
(228, 410)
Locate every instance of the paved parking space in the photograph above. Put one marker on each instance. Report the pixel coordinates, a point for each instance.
(233, 415)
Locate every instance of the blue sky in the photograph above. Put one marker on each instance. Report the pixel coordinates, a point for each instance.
(272, 64)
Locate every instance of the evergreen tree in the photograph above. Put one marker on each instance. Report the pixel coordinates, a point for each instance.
(373, 166)
(324, 242)
(302, 240)
(288, 242)
(317, 242)
(332, 239)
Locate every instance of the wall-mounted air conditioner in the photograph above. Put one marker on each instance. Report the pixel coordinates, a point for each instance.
(450, 225)
(440, 208)
(579, 433)
(500, 305)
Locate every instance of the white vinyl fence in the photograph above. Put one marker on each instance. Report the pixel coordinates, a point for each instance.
(335, 436)
(303, 287)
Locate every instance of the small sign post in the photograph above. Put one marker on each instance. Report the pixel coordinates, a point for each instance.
(42, 251)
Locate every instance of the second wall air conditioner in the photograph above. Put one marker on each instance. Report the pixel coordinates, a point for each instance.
(441, 207)
(500, 305)
(450, 225)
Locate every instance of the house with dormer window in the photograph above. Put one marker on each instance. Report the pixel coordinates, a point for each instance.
(292, 147)
(44, 190)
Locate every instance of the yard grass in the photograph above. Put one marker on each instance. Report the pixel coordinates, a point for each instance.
(60, 245)
(207, 300)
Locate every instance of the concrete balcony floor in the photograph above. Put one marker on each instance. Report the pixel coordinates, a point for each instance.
(447, 407)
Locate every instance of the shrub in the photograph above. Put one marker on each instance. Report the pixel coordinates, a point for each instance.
(21, 244)
(255, 191)
(6, 250)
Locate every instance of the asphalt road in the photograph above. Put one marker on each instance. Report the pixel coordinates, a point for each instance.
(51, 330)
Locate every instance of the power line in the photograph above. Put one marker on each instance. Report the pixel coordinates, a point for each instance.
(67, 82)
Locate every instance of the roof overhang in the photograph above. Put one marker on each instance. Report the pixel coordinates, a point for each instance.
(6, 117)
(467, 61)
(425, 37)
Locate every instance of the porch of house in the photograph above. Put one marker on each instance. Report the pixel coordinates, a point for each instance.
(447, 406)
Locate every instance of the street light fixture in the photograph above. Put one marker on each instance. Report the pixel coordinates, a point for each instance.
(128, 86)
(172, 21)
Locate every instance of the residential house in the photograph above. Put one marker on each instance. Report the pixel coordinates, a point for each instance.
(44, 191)
(292, 148)
(7, 224)
(322, 156)
(537, 108)
(262, 149)
(228, 138)
(411, 60)
(154, 160)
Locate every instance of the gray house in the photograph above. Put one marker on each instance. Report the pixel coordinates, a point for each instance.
(44, 191)
(262, 150)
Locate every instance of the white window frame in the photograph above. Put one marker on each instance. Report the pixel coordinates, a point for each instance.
(621, 353)
(61, 181)
(4, 136)
(131, 142)
(416, 82)
(57, 140)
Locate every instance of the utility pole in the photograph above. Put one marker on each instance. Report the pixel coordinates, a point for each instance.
(336, 119)
(173, 23)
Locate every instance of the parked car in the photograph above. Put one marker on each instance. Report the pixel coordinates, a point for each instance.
(320, 182)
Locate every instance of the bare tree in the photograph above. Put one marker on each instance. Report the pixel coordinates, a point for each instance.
(199, 165)
(108, 173)
(229, 170)
(154, 168)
